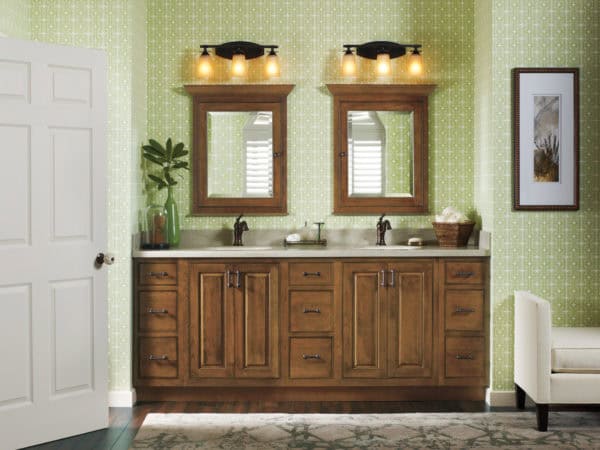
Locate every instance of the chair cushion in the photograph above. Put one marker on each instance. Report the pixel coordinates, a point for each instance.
(576, 350)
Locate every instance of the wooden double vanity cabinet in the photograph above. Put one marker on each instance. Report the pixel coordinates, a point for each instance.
(311, 329)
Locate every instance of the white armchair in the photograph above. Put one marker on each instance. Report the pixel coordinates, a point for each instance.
(553, 365)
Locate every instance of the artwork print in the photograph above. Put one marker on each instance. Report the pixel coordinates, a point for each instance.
(546, 132)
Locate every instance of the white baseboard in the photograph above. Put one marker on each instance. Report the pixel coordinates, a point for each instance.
(121, 399)
(500, 398)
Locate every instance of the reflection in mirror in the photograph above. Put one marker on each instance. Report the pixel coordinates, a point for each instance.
(380, 153)
(240, 154)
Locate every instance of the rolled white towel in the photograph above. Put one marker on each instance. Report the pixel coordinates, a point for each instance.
(294, 237)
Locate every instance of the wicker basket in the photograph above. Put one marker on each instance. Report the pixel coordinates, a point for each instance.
(453, 234)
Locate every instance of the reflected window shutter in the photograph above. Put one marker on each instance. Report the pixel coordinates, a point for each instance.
(365, 147)
(259, 156)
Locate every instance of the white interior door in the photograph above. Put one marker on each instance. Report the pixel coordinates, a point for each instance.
(53, 312)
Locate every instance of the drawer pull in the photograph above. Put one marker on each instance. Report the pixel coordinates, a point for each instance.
(157, 274)
(393, 275)
(238, 282)
(315, 356)
(382, 284)
(158, 311)
(311, 274)
(463, 274)
(461, 310)
(158, 358)
(312, 310)
(468, 356)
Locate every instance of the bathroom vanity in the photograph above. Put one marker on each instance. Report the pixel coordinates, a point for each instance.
(338, 323)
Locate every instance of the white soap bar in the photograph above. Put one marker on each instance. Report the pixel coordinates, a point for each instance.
(295, 237)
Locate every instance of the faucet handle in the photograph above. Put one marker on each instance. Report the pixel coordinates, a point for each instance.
(381, 218)
(238, 218)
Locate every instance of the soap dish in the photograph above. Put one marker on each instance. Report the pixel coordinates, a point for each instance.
(308, 242)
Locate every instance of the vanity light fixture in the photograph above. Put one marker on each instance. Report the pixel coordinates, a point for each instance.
(239, 52)
(383, 52)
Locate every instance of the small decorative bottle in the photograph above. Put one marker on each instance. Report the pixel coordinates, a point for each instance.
(156, 237)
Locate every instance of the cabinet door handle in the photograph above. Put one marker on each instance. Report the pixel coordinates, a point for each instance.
(393, 280)
(158, 311)
(382, 284)
(311, 274)
(312, 310)
(467, 356)
(228, 275)
(158, 357)
(463, 274)
(461, 310)
(157, 274)
(238, 281)
(315, 356)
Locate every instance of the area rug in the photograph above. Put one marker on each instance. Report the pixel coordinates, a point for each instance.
(568, 430)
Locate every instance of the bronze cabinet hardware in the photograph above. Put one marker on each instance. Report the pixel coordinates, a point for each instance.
(228, 276)
(157, 311)
(460, 309)
(311, 310)
(315, 356)
(158, 274)
(393, 277)
(238, 280)
(467, 356)
(158, 358)
(382, 277)
(461, 274)
(311, 274)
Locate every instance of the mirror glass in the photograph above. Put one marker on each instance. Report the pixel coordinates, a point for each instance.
(380, 153)
(239, 154)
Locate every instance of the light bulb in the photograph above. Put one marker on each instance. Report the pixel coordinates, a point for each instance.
(415, 63)
(384, 67)
(272, 67)
(348, 63)
(204, 68)
(238, 65)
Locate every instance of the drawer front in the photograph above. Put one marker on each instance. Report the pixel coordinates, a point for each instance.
(158, 357)
(311, 357)
(157, 311)
(311, 311)
(465, 357)
(152, 274)
(464, 309)
(311, 273)
(462, 272)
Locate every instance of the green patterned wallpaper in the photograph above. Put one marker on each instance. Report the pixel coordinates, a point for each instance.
(15, 18)
(554, 254)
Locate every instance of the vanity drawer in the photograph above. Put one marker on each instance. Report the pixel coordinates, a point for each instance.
(311, 273)
(157, 273)
(311, 311)
(464, 309)
(465, 357)
(158, 357)
(157, 311)
(464, 272)
(311, 357)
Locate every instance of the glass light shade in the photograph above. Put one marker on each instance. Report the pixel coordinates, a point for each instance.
(384, 67)
(204, 68)
(238, 65)
(272, 67)
(349, 64)
(415, 64)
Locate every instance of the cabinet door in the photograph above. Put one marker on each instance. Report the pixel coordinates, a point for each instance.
(256, 320)
(410, 323)
(364, 327)
(211, 321)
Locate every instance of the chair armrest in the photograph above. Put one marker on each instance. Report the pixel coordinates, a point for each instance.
(533, 342)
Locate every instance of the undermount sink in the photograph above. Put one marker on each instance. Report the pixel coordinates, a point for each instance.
(232, 248)
(391, 247)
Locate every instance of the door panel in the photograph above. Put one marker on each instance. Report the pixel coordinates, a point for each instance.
(410, 340)
(256, 323)
(211, 322)
(364, 330)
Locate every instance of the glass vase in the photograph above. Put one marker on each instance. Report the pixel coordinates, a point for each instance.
(172, 219)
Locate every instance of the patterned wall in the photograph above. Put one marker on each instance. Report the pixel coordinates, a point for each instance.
(554, 254)
(15, 16)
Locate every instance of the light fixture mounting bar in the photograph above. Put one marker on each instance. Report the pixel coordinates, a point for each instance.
(370, 50)
(250, 50)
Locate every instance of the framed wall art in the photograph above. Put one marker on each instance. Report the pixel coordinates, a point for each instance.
(546, 139)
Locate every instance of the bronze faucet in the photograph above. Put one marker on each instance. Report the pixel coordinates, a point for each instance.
(382, 227)
(238, 229)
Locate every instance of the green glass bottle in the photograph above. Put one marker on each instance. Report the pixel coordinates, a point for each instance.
(172, 219)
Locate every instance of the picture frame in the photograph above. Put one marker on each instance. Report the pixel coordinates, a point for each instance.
(545, 139)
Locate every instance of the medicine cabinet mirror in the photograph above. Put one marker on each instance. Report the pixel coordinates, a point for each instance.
(239, 149)
(380, 148)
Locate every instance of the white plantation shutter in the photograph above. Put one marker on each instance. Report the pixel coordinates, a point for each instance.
(258, 142)
(366, 144)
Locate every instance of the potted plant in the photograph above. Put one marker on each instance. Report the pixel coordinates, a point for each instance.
(169, 159)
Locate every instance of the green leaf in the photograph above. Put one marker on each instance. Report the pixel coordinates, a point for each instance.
(156, 179)
(169, 149)
(157, 146)
(178, 150)
(170, 179)
(154, 159)
(182, 154)
(155, 151)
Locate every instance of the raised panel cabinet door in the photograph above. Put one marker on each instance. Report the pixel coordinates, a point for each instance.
(364, 298)
(410, 319)
(211, 322)
(256, 320)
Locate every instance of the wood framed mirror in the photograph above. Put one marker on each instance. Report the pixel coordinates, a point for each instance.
(239, 149)
(380, 148)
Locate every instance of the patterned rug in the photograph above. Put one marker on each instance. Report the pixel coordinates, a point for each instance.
(567, 430)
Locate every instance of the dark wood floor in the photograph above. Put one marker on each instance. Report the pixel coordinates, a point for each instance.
(125, 422)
